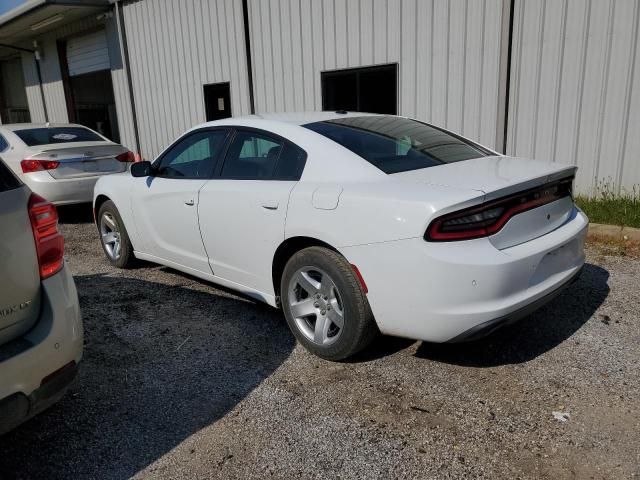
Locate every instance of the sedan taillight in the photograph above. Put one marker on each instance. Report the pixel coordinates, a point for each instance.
(49, 241)
(30, 165)
(489, 218)
(127, 156)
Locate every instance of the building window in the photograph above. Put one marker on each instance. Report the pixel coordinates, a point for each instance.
(369, 89)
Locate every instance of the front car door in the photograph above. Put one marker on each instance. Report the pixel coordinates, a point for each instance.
(243, 208)
(165, 205)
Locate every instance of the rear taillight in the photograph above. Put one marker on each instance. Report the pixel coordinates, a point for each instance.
(29, 165)
(49, 241)
(489, 218)
(126, 157)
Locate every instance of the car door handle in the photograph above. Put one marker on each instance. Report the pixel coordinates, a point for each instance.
(270, 205)
(190, 201)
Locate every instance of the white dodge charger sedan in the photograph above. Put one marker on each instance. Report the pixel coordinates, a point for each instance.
(352, 224)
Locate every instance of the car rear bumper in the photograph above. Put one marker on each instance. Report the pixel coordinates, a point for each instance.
(441, 292)
(483, 329)
(36, 369)
(61, 191)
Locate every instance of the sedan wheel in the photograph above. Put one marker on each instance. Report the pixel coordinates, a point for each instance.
(316, 305)
(113, 236)
(325, 304)
(110, 234)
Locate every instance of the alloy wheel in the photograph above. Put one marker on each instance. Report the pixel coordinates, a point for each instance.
(316, 305)
(110, 235)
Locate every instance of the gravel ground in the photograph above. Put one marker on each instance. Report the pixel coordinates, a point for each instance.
(183, 380)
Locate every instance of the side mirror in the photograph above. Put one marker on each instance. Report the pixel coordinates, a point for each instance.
(141, 169)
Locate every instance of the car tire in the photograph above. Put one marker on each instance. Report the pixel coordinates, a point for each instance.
(119, 252)
(319, 285)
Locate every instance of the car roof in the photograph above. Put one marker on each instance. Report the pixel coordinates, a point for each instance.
(24, 126)
(302, 118)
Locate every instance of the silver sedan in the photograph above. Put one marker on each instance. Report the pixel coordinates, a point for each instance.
(61, 162)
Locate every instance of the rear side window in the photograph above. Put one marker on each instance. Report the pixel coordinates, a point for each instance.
(8, 181)
(395, 144)
(3, 144)
(251, 156)
(291, 163)
(45, 136)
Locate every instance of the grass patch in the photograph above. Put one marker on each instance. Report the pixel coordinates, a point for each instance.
(605, 246)
(612, 208)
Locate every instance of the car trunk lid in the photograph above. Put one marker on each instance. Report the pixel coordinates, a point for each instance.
(495, 176)
(500, 177)
(86, 159)
(20, 294)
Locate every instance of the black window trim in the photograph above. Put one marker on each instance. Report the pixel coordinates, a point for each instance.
(221, 155)
(240, 128)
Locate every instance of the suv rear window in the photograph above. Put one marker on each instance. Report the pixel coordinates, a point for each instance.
(8, 181)
(396, 144)
(46, 136)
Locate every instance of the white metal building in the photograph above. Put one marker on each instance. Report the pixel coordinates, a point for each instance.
(548, 79)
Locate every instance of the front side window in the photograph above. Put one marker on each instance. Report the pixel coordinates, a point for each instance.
(395, 144)
(251, 156)
(51, 135)
(192, 157)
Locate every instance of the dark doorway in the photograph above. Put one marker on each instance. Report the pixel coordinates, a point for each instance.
(13, 96)
(217, 101)
(369, 89)
(94, 104)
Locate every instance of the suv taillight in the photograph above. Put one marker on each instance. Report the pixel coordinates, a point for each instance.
(489, 218)
(127, 156)
(29, 165)
(49, 241)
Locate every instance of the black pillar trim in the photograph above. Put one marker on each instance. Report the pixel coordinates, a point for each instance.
(508, 80)
(247, 47)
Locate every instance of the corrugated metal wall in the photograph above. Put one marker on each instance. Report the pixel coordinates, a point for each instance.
(51, 82)
(88, 53)
(575, 90)
(448, 51)
(50, 68)
(175, 48)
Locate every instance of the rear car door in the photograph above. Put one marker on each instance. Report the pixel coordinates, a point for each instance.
(242, 210)
(20, 289)
(165, 205)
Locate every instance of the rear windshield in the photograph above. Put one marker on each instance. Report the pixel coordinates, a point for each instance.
(395, 144)
(8, 181)
(45, 136)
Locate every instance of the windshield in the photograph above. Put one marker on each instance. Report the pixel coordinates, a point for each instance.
(395, 144)
(46, 136)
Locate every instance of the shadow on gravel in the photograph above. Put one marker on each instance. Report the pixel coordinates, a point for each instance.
(525, 340)
(161, 362)
(74, 214)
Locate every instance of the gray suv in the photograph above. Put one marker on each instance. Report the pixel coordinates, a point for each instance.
(41, 334)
